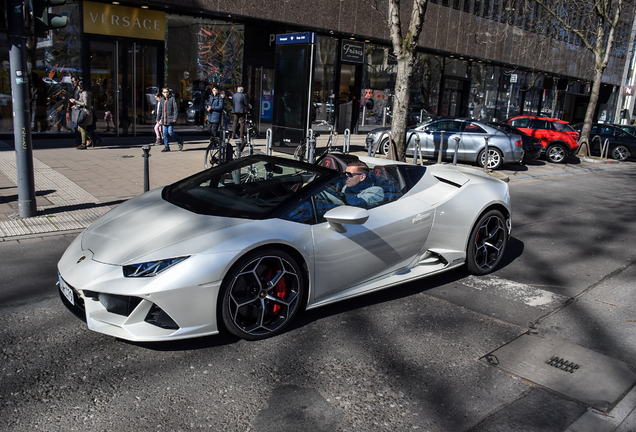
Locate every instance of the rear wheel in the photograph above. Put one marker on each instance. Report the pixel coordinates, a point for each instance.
(620, 152)
(261, 294)
(212, 156)
(487, 243)
(555, 153)
(495, 158)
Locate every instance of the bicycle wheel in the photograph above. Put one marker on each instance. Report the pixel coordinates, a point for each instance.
(246, 152)
(212, 156)
(299, 153)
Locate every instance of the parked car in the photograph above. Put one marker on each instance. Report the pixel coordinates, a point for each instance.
(502, 147)
(621, 145)
(532, 146)
(557, 137)
(249, 244)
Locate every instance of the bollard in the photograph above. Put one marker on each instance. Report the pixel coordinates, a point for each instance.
(268, 142)
(146, 155)
(346, 142)
(457, 139)
(384, 116)
(486, 155)
(441, 146)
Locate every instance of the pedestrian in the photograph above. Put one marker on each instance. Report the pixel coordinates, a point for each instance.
(74, 111)
(158, 126)
(82, 103)
(240, 108)
(215, 112)
(168, 114)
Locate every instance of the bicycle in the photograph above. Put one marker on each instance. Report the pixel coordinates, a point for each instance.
(301, 154)
(215, 154)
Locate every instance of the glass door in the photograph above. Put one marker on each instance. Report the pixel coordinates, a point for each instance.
(124, 79)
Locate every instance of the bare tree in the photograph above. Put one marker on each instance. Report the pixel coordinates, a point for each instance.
(404, 45)
(595, 24)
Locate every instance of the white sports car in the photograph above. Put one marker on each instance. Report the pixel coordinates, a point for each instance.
(247, 245)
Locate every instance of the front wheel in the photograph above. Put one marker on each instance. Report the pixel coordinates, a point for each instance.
(385, 147)
(495, 158)
(261, 294)
(555, 153)
(487, 243)
(620, 153)
(212, 154)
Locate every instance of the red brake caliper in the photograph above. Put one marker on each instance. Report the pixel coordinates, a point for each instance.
(280, 291)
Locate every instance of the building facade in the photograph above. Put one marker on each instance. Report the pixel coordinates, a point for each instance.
(477, 58)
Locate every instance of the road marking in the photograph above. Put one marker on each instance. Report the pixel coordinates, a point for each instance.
(515, 291)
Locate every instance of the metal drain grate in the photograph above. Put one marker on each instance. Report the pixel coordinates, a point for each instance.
(563, 364)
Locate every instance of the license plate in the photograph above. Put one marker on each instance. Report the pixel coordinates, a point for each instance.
(66, 290)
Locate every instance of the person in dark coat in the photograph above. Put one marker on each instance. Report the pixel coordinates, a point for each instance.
(240, 107)
(215, 111)
(167, 115)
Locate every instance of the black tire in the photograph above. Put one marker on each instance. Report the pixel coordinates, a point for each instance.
(556, 153)
(261, 294)
(212, 154)
(487, 243)
(620, 153)
(495, 158)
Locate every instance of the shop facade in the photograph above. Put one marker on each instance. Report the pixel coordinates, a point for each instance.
(127, 53)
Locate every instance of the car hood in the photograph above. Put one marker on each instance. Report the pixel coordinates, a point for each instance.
(147, 224)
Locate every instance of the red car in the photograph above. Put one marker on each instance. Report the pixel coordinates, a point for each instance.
(557, 137)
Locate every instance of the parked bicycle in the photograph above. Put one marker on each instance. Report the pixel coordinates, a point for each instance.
(301, 153)
(217, 154)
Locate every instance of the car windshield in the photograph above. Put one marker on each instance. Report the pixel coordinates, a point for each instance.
(250, 187)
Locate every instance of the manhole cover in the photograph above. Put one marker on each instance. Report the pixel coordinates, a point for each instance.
(579, 373)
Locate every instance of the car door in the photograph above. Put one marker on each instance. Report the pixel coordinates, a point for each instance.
(451, 129)
(472, 141)
(389, 240)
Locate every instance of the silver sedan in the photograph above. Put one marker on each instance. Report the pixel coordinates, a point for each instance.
(464, 136)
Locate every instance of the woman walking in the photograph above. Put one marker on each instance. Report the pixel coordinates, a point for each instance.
(79, 105)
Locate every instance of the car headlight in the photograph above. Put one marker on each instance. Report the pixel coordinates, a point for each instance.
(372, 136)
(152, 268)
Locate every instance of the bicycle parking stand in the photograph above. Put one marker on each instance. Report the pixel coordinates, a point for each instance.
(347, 141)
(441, 146)
(311, 148)
(457, 139)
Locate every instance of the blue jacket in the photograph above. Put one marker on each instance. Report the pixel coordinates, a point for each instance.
(216, 109)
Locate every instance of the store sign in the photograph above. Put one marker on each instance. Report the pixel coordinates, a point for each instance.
(352, 51)
(114, 20)
(628, 91)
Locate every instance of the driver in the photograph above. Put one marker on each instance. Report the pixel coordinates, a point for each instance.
(359, 190)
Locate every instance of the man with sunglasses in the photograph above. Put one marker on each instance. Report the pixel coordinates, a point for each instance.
(359, 189)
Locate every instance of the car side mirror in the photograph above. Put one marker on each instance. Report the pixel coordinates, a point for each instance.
(340, 216)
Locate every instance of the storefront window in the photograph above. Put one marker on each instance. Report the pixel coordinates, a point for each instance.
(378, 82)
(201, 51)
(50, 65)
(324, 79)
(483, 91)
(426, 87)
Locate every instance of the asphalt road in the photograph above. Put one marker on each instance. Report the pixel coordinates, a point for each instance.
(407, 358)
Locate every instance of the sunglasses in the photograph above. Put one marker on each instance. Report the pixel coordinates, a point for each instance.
(350, 174)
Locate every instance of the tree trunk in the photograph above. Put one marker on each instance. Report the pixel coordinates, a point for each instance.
(401, 102)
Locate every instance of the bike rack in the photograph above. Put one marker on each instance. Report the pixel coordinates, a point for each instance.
(605, 149)
(486, 155)
(268, 142)
(310, 149)
(346, 142)
(375, 150)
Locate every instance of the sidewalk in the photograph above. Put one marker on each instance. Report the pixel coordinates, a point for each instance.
(76, 187)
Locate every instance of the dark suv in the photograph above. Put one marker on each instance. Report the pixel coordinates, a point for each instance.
(557, 137)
